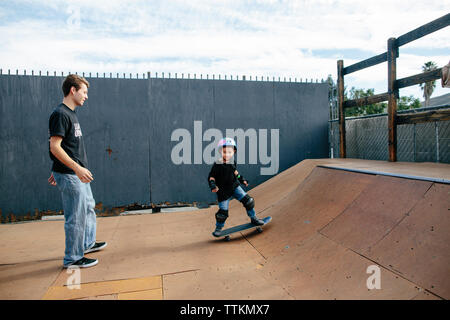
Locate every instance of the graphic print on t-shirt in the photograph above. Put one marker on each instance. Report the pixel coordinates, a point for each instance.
(77, 130)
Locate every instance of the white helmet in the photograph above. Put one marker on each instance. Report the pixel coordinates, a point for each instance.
(227, 142)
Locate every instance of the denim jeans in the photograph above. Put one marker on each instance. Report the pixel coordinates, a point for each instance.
(80, 221)
(238, 194)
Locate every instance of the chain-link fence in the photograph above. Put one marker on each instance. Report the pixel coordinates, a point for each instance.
(367, 138)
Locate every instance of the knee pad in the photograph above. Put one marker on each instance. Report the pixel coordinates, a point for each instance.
(221, 215)
(248, 202)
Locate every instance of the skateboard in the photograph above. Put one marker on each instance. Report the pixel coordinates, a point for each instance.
(226, 233)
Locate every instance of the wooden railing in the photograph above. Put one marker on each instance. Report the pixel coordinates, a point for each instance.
(394, 84)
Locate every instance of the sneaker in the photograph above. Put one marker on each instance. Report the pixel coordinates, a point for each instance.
(217, 232)
(96, 247)
(256, 221)
(83, 263)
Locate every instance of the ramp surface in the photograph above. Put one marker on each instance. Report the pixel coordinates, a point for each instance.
(329, 226)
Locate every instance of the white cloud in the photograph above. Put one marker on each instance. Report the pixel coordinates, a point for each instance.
(258, 38)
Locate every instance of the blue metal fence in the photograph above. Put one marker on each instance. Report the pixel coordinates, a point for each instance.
(127, 124)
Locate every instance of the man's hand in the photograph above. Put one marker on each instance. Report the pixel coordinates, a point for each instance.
(245, 183)
(55, 148)
(51, 180)
(215, 190)
(84, 174)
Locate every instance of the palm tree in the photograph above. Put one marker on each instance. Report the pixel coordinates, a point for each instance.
(428, 87)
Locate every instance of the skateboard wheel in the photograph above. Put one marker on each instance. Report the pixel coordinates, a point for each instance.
(227, 238)
(259, 229)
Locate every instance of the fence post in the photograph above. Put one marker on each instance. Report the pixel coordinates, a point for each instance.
(340, 82)
(436, 128)
(414, 142)
(393, 94)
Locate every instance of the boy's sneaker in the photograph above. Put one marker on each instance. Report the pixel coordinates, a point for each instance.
(96, 247)
(83, 263)
(256, 221)
(217, 232)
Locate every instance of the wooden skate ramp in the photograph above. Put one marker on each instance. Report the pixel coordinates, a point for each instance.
(329, 226)
(335, 224)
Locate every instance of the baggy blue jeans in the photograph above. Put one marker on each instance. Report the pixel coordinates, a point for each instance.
(238, 194)
(80, 221)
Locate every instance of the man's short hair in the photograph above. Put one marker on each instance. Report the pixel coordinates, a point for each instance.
(73, 80)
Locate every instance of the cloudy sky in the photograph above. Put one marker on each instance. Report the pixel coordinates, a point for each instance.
(264, 38)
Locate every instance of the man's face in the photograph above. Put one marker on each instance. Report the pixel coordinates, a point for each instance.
(227, 153)
(81, 95)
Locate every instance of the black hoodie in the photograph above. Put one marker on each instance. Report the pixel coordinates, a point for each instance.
(225, 178)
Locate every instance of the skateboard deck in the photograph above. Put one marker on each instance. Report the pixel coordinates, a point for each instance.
(226, 233)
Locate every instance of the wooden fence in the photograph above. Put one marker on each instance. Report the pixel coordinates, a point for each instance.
(394, 84)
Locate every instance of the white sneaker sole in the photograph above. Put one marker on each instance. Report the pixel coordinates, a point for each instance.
(82, 266)
(96, 249)
(89, 265)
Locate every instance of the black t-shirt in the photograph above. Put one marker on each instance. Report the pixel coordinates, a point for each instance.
(64, 122)
(225, 178)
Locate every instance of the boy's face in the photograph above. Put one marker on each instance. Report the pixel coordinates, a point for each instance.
(79, 96)
(227, 153)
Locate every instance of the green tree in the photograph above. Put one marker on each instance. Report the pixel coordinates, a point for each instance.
(403, 103)
(428, 87)
(406, 103)
(355, 93)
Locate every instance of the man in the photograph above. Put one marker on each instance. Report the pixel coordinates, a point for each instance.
(70, 174)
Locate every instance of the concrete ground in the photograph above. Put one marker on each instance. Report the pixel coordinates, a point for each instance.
(329, 226)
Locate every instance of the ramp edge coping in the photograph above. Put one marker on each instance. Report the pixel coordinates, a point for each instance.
(397, 175)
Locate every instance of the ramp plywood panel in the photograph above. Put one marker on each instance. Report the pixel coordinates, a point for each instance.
(242, 282)
(155, 294)
(375, 212)
(419, 247)
(31, 256)
(27, 280)
(162, 244)
(425, 295)
(270, 192)
(322, 269)
(281, 185)
(323, 195)
(85, 290)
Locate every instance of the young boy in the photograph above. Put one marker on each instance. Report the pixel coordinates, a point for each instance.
(224, 180)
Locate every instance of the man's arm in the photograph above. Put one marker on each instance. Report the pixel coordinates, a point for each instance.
(55, 148)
